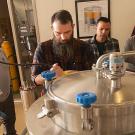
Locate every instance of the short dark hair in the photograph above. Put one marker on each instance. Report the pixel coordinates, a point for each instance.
(63, 16)
(103, 19)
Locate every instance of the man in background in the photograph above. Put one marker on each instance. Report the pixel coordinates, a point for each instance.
(101, 42)
(63, 52)
(130, 46)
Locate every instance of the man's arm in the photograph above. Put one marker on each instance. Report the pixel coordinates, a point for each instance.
(130, 46)
(37, 69)
(88, 56)
(40, 58)
(39, 79)
(115, 45)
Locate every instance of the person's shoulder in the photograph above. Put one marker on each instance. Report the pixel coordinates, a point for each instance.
(44, 45)
(47, 42)
(91, 40)
(85, 41)
(80, 42)
(132, 38)
(113, 39)
(130, 41)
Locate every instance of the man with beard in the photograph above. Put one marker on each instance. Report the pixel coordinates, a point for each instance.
(63, 52)
(101, 42)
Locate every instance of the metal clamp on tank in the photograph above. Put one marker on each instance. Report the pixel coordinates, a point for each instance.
(99, 67)
(117, 69)
(85, 99)
(49, 108)
(111, 66)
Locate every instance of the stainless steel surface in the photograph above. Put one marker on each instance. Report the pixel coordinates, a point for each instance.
(113, 113)
(128, 53)
(65, 89)
(44, 126)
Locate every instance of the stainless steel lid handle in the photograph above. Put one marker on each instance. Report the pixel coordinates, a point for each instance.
(49, 109)
(85, 99)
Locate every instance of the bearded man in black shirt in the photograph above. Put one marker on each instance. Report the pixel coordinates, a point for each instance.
(63, 52)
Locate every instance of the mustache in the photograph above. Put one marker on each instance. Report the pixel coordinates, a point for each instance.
(60, 41)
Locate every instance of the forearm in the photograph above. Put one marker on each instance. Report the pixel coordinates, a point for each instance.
(40, 79)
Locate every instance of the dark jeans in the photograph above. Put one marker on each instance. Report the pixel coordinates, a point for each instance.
(8, 112)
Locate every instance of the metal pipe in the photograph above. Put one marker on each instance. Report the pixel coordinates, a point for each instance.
(105, 56)
(101, 59)
(129, 53)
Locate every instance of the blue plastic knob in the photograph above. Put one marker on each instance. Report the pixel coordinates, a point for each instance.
(48, 75)
(107, 63)
(86, 98)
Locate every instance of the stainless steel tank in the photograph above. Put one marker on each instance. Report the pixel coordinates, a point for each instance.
(113, 113)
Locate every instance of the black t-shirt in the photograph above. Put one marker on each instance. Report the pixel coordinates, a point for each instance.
(100, 47)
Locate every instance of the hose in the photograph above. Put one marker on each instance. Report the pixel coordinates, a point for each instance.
(24, 65)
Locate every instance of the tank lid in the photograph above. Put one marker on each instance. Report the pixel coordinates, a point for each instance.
(66, 88)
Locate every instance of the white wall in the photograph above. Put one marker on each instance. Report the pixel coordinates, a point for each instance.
(122, 14)
(123, 19)
(45, 9)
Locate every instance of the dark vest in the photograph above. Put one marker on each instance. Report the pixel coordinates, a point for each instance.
(76, 63)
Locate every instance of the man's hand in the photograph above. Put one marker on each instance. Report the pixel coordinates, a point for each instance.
(40, 79)
(57, 69)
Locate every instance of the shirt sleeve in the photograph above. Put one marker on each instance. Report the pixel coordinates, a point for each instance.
(130, 46)
(38, 61)
(115, 45)
(89, 58)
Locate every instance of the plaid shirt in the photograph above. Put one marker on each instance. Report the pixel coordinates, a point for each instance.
(82, 58)
(111, 45)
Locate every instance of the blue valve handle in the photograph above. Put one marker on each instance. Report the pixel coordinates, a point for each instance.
(107, 63)
(86, 98)
(48, 75)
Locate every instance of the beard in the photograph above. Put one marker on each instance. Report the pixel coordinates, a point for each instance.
(63, 48)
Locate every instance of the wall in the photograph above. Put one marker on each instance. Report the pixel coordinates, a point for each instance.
(121, 11)
(45, 9)
(123, 19)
